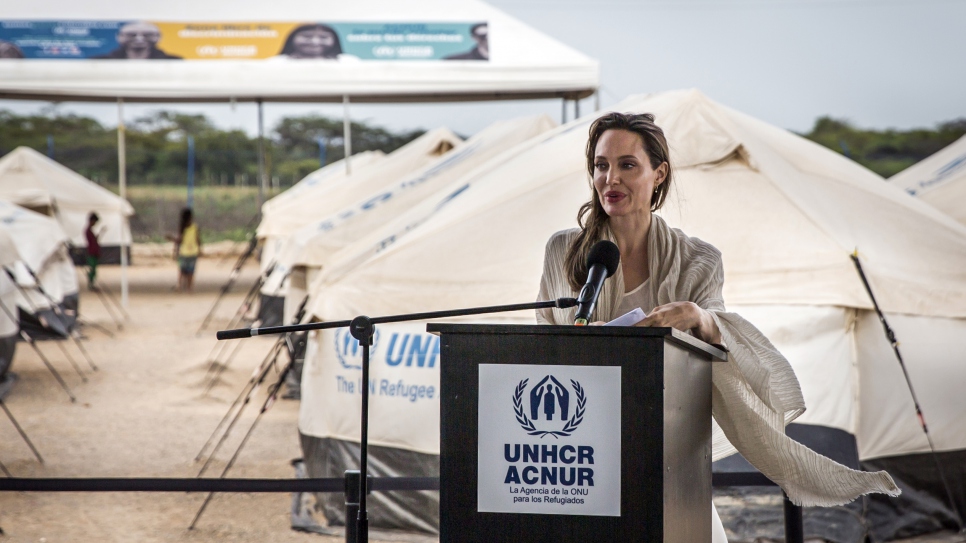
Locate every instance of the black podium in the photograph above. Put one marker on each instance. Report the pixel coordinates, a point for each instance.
(530, 416)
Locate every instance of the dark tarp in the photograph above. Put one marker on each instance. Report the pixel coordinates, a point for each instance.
(295, 344)
(110, 254)
(8, 345)
(70, 308)
(746, 512)
(43, 324)
(271, 310)
(48, 323)
(923, 506)
(410, 510)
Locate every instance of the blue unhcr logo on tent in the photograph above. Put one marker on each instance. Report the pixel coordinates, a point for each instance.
(550, 407)
(348, 350)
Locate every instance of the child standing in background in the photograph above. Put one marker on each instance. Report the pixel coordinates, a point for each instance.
(93, 251)
(187, 248)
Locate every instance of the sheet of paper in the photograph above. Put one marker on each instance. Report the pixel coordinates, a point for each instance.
(628, 319)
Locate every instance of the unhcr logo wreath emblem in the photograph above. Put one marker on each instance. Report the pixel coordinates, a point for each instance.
(551, 399)
(348, 350)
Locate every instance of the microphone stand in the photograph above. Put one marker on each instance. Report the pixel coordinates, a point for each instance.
(363, 328)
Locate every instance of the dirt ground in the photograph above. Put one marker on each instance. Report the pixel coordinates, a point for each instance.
(144, 414)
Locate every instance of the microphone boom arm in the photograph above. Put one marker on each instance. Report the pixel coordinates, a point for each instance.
(240, 333)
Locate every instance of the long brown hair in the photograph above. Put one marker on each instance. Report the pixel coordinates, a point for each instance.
(591, 217)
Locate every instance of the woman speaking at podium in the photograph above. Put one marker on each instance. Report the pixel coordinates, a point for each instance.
(677, 281)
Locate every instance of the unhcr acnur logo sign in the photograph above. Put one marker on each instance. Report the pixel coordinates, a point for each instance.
(549, 439)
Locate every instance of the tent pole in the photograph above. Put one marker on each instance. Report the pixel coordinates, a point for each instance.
(576, 108)
(891, 338)
(261, 156)
(346, 133)
(322, 151)
(122, 192)
(563, 111)
(191, 171)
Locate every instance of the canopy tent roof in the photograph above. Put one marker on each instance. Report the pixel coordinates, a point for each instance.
(523, 63)
(939, 180)
(32, 180)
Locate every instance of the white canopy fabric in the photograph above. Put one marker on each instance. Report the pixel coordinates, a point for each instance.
(786, 214)
(523, 63)
(32, 180)
(282, 219)
(939, 180)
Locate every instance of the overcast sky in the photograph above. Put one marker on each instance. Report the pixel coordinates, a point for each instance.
(877, 63)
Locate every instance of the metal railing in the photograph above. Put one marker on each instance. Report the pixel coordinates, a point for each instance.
(349, 486)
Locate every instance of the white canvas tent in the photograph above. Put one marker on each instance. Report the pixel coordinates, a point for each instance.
(309, 248)
(36, 237)
(36, 182)
(322, 179)
(42, 263)
(939, 180)
(523, 63)
(283, 218)
(786, 214)
(312, 185)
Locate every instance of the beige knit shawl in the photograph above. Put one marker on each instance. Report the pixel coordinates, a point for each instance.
(754, 394)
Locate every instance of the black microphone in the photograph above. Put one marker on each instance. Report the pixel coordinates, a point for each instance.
(602, 262)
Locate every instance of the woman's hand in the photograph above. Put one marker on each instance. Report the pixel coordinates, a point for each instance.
(685, 316)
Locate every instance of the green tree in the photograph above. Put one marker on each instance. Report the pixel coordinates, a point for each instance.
(886, 152)
(297, 138)
(157, 146)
